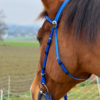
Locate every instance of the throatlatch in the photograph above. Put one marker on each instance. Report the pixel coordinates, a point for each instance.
(54, 27)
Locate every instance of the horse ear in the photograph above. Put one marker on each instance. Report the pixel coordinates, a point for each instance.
(51, 6)
(48, 3)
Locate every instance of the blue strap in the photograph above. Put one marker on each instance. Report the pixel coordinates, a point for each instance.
(48, 19)
(48, 94)
(65, 97)
(61, 10)
(56, 44)
(59, 61)
(43, 81)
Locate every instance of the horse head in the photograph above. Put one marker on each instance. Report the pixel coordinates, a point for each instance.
(78, 56)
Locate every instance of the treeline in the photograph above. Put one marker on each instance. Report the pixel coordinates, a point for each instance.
(21, 31)
(3, 26)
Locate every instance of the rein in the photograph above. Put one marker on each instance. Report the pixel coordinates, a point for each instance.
(54, 27)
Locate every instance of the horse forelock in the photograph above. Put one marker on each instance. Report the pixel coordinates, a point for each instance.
(83, 16)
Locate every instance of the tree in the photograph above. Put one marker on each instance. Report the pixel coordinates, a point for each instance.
(3, 26)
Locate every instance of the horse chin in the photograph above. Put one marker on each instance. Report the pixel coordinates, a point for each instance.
(40, 96)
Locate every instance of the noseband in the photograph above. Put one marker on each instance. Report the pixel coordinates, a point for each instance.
(54, 27)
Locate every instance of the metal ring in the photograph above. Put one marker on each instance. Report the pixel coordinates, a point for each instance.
(42, 92)
(45, 87)
(49, 38)
(54, 23)
(57, 58)
(42, 74)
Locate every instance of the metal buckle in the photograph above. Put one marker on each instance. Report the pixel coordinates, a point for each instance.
(42, 74)
(49, 38)
(54, 23)
(45, 88)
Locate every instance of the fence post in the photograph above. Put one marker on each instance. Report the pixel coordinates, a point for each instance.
(8, 87)
(1, 94)
(98, 84)
(93, 78)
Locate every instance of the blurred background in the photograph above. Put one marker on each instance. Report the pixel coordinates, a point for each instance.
(19, 49)
(17, 19)
(19, 53)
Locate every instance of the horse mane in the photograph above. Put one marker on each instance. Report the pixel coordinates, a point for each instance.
(84, 17)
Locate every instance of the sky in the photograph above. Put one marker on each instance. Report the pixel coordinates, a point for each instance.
(21, 12)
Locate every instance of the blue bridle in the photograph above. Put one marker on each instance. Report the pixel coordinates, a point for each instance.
(55, 27)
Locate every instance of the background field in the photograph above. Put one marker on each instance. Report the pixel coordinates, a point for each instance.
(18, 58)
(19, 43)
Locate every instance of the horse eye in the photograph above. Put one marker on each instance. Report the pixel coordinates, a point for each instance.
(39, 39)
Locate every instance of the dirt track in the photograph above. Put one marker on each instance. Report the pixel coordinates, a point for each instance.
(18, 61)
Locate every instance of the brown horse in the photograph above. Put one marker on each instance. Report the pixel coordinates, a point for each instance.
(79, 45)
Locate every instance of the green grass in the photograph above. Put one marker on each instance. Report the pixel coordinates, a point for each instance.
(90, 90)
(24, 96)
(20, 38)
(91, 95)
(20, 43)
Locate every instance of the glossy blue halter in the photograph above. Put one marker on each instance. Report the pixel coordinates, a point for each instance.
(55, 27)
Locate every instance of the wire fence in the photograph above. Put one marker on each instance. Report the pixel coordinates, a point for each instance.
(12, 87)
(18, 88)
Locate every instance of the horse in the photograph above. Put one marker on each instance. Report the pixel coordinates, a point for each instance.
(78, 36)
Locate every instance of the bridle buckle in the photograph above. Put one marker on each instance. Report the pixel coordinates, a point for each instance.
(54, 23)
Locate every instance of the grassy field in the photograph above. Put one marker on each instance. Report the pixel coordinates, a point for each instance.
(18, 61)
(84, 94)
(22, 38)
(19, 43)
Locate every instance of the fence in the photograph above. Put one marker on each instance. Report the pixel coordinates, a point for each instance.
(18, 88)
(1, 95)
(13, 86)
(89, 91)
